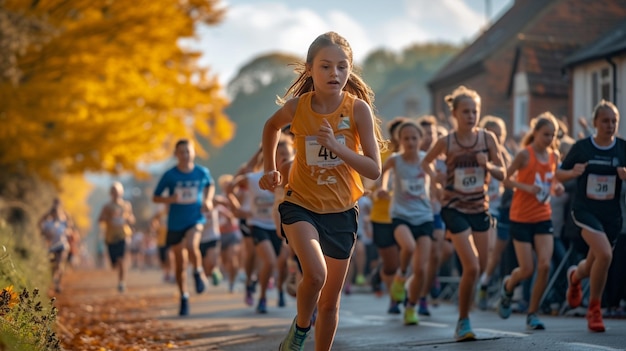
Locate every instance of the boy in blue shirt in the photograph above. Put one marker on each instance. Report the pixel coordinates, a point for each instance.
(190, 192)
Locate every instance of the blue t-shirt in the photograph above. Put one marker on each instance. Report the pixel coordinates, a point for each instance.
(190, 187)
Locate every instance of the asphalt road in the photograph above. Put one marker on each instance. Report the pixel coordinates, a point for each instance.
(221, 321)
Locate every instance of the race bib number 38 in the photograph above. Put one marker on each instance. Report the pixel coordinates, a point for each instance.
(318, 155)
(600, 187)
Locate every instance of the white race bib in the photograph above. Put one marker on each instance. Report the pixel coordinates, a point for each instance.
(543, 196)
(186, 195)
(469, 179)
(318, 155)
(600, 187)
(413, 187)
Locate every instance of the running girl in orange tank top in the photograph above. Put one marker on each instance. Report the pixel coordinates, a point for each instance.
(531, 175)
(336, 138)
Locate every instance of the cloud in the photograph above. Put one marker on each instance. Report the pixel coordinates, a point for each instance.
(251, 29)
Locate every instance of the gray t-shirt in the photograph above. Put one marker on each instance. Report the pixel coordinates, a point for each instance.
(411, 194)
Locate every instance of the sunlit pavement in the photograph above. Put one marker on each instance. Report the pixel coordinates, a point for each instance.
(221, 321)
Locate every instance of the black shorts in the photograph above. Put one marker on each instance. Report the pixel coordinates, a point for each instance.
(457, 222)
(204, 247)
(116, 251)
(245, 230)
(525, 232)
(163, 254)
(383, 235)
(175, 237)
(259, 235)
(607, 224)
(337, 231)
(424, 229)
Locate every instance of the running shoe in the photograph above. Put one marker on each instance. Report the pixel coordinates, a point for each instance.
(184, 306)
(504, 305)
(410, 316)
(482, 298)
(360, 280)
(216, 277)
(262, 306)
(463, 331)
(397, 289)
(394, 307)
(594, 318)
(423, 307)
(294, 341)
(347, 288)
(281, 299)
(533, 322)
(198, 279)
(121, 287)
(248, 299)
(574, 290)
(435, 290)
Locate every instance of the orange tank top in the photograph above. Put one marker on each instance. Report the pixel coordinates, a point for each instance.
(380, 207)
(319, 180)
(533, 208)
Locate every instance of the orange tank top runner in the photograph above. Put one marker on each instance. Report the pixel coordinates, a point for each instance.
(533, 208)
(466, 182)
(319, 180)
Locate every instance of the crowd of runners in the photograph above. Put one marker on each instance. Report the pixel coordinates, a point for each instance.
(327, 203)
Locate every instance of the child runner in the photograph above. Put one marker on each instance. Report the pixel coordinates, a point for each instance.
(382, 228)
(411, 214)
(190, 192)
(117, 217)
(531, 215)
(472, 156)
(597, 162)
(335, 136)
(499, 204)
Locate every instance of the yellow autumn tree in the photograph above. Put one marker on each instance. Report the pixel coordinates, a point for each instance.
(102, 85)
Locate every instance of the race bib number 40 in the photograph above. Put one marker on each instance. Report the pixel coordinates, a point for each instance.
(318, 155)
(600, 187)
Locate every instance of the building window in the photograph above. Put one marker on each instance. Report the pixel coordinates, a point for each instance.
(601, 85)
(521, 114)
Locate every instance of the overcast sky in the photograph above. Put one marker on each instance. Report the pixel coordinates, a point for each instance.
(255, 27)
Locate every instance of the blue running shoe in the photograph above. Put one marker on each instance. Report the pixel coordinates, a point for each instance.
(464, 331)
(294, 341)
(422, 310)
(184, 306)
(198, 279)
(216, 277)
(262, 306)
(281, 299)
(504, 305)
(394, 308)
(533, 322)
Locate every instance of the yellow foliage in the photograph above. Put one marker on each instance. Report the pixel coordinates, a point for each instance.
(74, 194)
(109, 87)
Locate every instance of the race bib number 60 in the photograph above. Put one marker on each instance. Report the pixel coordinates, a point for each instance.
(318, 155)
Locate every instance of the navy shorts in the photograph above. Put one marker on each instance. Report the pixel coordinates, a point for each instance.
(116, 251)
(337, 231)
(424, 229)
(438, 222)
(503, 227)
(175, 237)
(204, 247)
(245, 230)
(525, 232)
(383, 235)
(607, 224)
(259, 235)
(457, 222)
